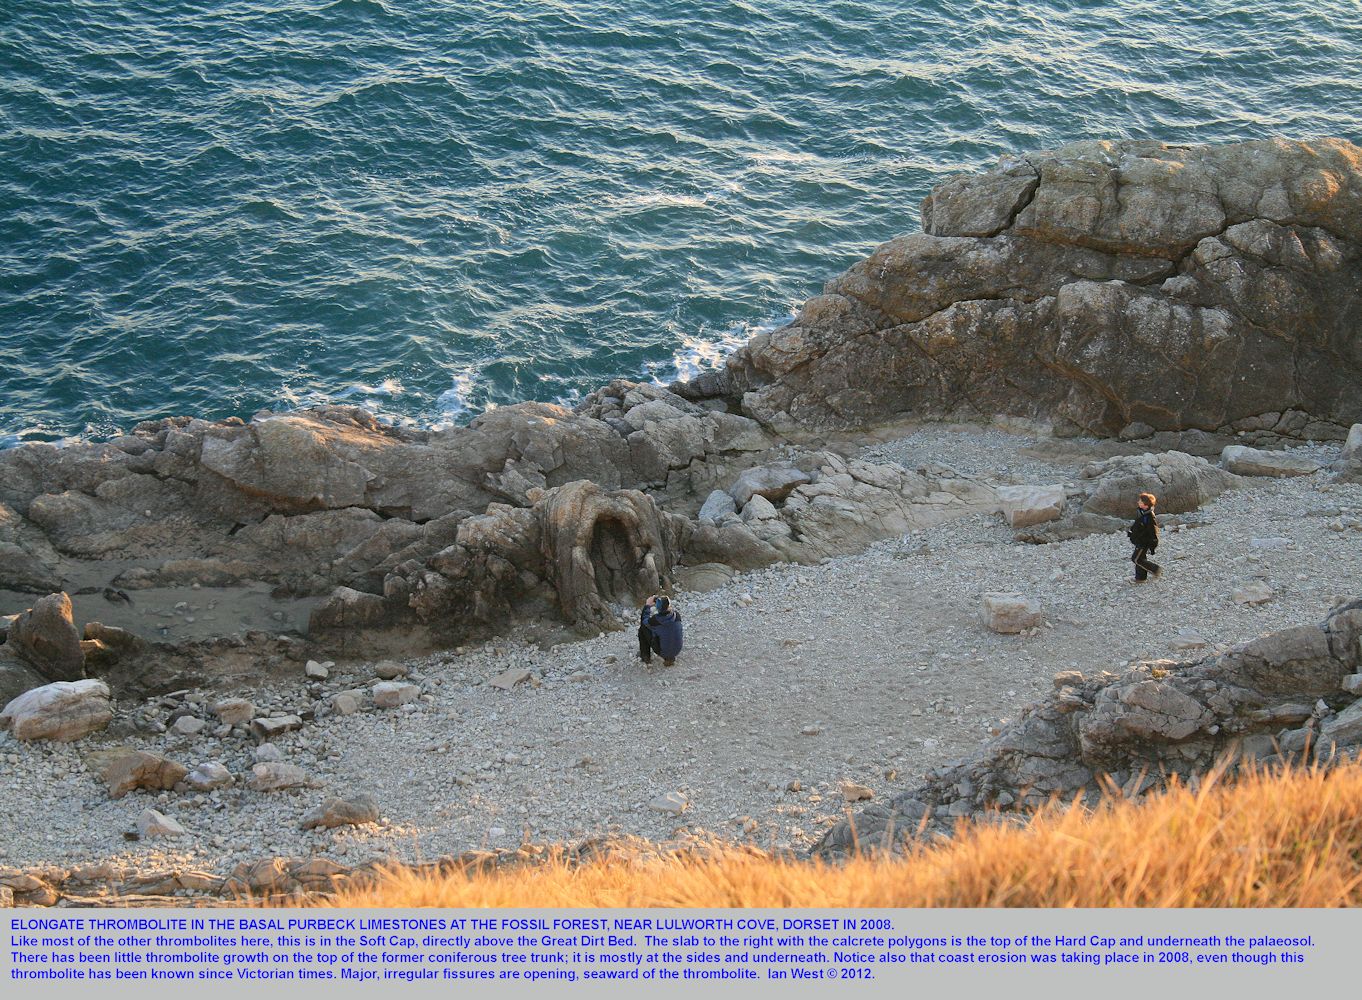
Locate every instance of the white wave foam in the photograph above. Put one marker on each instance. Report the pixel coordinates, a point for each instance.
(388, 388)
(659, 199)
(374, 399)
(699, 353)
(456, 402)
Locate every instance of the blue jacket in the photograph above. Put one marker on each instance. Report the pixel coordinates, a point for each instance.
(667, 628)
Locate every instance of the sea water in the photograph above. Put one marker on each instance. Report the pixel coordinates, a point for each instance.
(429, 208)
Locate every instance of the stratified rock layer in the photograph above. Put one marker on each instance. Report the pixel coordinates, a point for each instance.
(1097, 286)
(1124, 288)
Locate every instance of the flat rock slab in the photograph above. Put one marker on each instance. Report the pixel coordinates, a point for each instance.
(275, 776)
(1188, 639)
(234, 711)
(207, 776)
(704, 577)
(391, 694)
(62, 711)
(1275, 543)
(1245, 461)
(672, 803)
(274, 726)
(510, 678)
(153, 824)
(390, 670)
(1255, 592)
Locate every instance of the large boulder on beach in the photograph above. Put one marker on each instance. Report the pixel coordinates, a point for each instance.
(1101, 285)
(45, 636)
(1181, 482)
(60, 712)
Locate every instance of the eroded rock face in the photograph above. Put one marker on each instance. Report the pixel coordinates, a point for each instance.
(1100, 285)
(1121, 288)
(1153, 721)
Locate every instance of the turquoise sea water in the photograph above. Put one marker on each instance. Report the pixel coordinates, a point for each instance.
(210, 207)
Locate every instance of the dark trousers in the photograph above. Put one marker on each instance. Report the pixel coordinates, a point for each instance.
(1143, 565)
(648, 643)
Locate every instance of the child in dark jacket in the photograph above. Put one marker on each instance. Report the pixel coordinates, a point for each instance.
(659, 631)
(1144, 535)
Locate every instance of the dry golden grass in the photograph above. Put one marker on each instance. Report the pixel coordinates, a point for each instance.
(1289, 840)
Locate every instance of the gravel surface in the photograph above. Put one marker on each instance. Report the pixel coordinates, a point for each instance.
(795, 680)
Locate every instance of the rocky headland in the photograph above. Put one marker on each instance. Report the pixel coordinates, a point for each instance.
(888, 524)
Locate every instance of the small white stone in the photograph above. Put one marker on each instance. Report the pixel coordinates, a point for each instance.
(672, 803)
(154, 824)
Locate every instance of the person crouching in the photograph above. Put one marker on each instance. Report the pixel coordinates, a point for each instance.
(659, 631)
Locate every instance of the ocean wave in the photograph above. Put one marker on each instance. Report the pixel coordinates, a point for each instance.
(535, 198)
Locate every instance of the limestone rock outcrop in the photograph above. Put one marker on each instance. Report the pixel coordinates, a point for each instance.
(1132, 289)
(1098, 286)
(1283, 696)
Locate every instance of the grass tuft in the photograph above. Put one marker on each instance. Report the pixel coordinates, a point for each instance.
(1265, 840)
